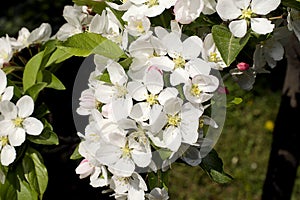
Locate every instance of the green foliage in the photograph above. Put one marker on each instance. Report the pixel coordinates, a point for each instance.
(228, 45)
(96, 6)
(28, 179)
(213, 165)
(291, 3)
(158, 179)
(84, 44)
(76, 155)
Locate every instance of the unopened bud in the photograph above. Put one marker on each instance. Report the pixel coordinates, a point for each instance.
(242, 66)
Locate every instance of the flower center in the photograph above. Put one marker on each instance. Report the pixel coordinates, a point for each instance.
(151, 3)
(18, 122)
(98, 105)
(121, 91)
(152, 99)
(174, 120)
(126, 151)
(201, 123)
(179, 62)
(213, 57)
(246, 13)
(4, 140)
(195, 90)
(139, 26)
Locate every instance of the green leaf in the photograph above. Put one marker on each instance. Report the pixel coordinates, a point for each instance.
(58, 56)
(34, 90)
(164, 153)
(213, 165)
(292, 4)
(84, 44)
(31, 70)
(159, 179)
(228, 45)
(35, 171)
(76, 155)
(96, 6)
(237, 100)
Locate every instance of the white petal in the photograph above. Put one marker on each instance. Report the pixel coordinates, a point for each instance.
(17, 137)
(8, 93)
(8, 155)
(167, 94)
(117, 73)
(140, 111)
(33, 126)
(238, 28)
(262, 25)
(104, 93)
(179, 76)
(6, 126)
(141, 159)
(192, 47)
(154, 80)
(108, 154)
(173, 42)
(228, 10)
(197, 66)
(276, 51)
(172, 138)
(3, 81)
(264, 7)
(25, 106)
(123, 167)
(121, 108)
(8, 110)
(173, 106)
(137, 90)
(162, 62)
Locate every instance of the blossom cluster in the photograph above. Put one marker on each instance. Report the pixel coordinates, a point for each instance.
(15, 121)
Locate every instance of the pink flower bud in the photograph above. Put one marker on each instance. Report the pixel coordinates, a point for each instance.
(242, 66)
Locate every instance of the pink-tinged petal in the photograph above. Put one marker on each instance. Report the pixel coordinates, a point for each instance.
(262, 25)
(3, 81)
(8, 155)
(8, 93)
(17, 137)
(264, 7)
(192, 47)
(33, 126)
(84, 169)
(8, 110)
(228, 10)
(238, 28)
(25, 106)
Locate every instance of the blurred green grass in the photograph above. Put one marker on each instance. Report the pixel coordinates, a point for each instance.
(244, 147)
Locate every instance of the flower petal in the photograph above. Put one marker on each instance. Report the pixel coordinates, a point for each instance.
(8, 155)
(123, 167)
(192, 47)
(8, 110)
(262, 25)
(17, 137)
(228, 10)
(137, 90)
(264, 7)
(3, 81)
(154, 80)
(238, 28)
(172, 138)
(33, 126)
(25, 106)
(8, 93)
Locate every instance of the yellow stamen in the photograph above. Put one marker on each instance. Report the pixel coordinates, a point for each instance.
(213, 57)
(3, 140)
(126, 151)
(179, 62)
(173, 120)
(246, 13)
(152, 99)
(18, 122)
(151, 3)
(139, 27)
(195, 90)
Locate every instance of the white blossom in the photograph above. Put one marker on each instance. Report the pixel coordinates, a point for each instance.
(158, 194)
(6, 51)
(245, 12)
(187, 11)
(6, 93)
